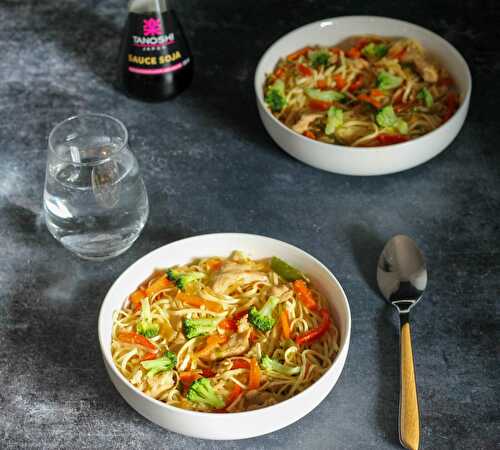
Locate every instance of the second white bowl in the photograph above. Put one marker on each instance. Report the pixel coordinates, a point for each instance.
(356, 160)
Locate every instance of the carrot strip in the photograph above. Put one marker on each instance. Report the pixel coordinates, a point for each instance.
(370, 100)
(353, 53)
(214, 265)
(158, 285)
(285, 324)
(304, 294)
(149, 356)
(194, 300)
(339, 81)
(321, 84)
(254, 374)
(376, 93)
(296, 55)
(309, 134)
(137, 296)
(279, 72)
(211, 342)
(316, 333)
(188, 377)
(134, 338)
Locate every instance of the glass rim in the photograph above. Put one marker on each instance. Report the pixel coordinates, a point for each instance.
(81, 116)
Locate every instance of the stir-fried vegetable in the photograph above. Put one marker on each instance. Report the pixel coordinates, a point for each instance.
(314, 334)
(387, 118)
(145, 326)
(183, 279)
(335, 118)
(194, 300)
(319, 58)
(134, 338)
(275, 96)
(202, 392)
(198, 327)
(426, 97)
(263, 319)
(254, 374)
(285, 324)
(212, 342)
(163, 364)
(233, 395)
(324, 96)
(158, 285)
(386, 80)
(285, 270)
(304, 294)
(272, 365)
(375, 51)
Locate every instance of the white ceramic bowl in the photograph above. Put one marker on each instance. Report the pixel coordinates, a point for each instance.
(355, 160)
(232, 425)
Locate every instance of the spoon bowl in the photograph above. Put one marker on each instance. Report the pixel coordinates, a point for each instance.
(401, 273)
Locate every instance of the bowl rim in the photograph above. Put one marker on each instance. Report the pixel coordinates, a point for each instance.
(341, 355)
(382, 148)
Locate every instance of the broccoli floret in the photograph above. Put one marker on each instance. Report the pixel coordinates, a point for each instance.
(272, 365)
(319, 58)
(182, 279)
(198, 327)
(263, 319)
(165, 363)
(386, 80)
(275, 96)
(373, 50)
(145, 326)
(201, 391)
(387, 118)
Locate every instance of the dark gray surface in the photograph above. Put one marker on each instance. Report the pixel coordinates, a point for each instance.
(209, 167)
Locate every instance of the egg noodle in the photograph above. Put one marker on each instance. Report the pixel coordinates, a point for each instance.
(336, 94)
(246, 356)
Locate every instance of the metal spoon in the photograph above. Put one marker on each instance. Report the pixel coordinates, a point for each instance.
(402, 279)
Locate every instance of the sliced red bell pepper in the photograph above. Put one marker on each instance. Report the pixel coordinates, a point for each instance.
(319, 105)
(389, 139)
(314, 334)
(356, 84)
(304, 70)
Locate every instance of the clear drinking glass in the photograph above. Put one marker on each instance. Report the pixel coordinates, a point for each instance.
(95, 200)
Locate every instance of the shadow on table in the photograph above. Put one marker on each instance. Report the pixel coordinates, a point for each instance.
(366, 246)
(53, 310)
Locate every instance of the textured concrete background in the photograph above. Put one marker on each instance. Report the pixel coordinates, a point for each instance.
(210, 166)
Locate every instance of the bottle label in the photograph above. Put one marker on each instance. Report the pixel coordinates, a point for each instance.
(156, 44)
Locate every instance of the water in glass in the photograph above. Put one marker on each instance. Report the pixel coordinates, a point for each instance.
(95, 200)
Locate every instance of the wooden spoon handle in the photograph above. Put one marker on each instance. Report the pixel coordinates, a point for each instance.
(409, 422)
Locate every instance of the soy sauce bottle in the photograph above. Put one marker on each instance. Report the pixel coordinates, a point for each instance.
(155, 61)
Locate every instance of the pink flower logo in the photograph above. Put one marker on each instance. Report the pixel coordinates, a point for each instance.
(152, 27)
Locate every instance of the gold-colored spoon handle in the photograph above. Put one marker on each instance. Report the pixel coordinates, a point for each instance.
(409, 422)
